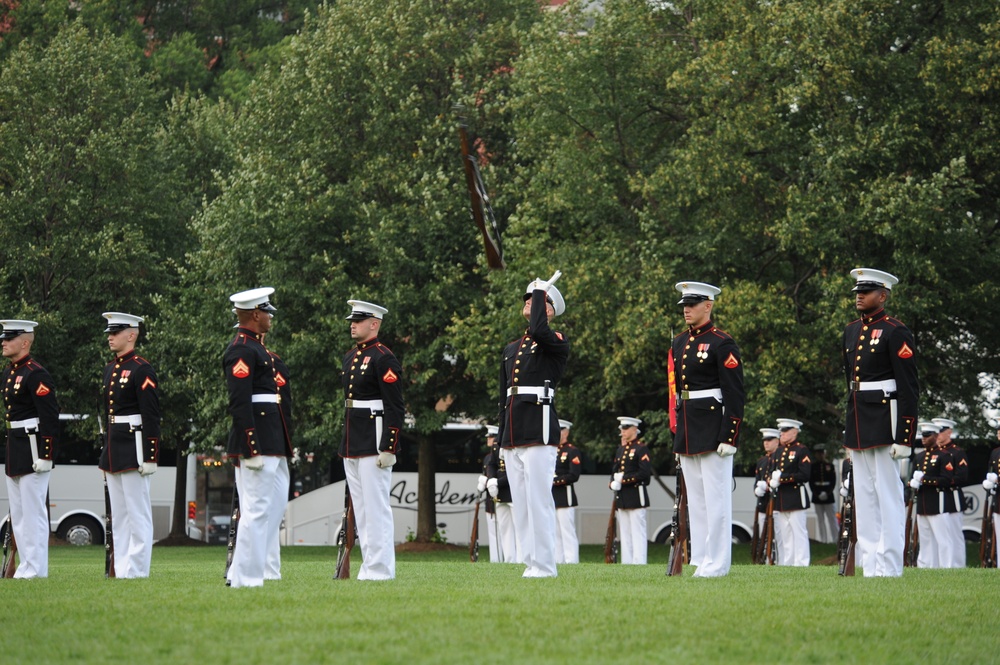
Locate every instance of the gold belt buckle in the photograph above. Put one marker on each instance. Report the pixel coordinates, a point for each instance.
(685, 394)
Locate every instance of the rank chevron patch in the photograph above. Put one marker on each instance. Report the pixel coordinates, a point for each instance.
(241, 370)
(731, 362)
(905, 351)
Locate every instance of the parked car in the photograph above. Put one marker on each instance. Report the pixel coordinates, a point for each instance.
(218, 530)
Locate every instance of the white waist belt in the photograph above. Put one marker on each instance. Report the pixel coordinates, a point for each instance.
(537, 391)
(372, 404)
(30, 423)
(701, 394)
(133, 420)
(887, 386)
(265, 397)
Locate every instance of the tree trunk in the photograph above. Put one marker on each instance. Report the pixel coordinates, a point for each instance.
(178, 521)
(426, 501)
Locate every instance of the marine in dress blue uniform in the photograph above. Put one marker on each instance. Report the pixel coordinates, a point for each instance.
(790, 472)
(568, 467)
(990, 485)
(31, 412)
(631, 471)
(530, 371)
(879, 359)
(708, 371)
(496, 556)
(372, 378)
(131, 452)
(258, 440)
(933, 473)
(960, 478)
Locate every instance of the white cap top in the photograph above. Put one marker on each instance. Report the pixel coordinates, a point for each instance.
(626, 421)
(553, 296)
(695, 292)
(15, 327)
(928, 427)
(944, 423)
(254, 299)
(785, 423)
(869, 279)
(361, 310)
(492, 430)
(769, 433)
(120, 321)
(565, 424)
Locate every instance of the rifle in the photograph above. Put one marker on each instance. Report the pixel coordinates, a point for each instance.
(987, 536)
(611, 537)
(345, 539)
(9, 550)
(474, 538)
(912, 543)
(234, 526)
(678, 528)
(848, 534)
(769, 554)
(482, 211)
(109, 536)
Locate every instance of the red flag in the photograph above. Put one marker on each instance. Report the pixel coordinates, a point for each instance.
(672, 391)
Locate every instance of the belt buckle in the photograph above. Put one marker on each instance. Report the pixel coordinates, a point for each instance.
(685, 394)
(853, 386)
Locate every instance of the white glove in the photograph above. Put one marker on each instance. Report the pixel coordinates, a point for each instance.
(760, 489)
(918, 475)
(821, 496)
(726, 450)
(847, 483)
(616, 485)
(899, 452)
(915, 483)
(481, 485)
(42, 465)
(147, 469)
(620, 476)
(775, 479)
(493, 487)
(385, 460)
(544, 286)
(991, 482)
(255, 463)
(844, 492)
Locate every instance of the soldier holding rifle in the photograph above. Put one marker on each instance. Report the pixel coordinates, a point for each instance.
(933, 470)
(761, 490)
(879, 359)
(790, 472)
(991, 526)
(709, 413)
(131, 405)
(372, 378)
(32, 418)
(530, 371)
(631, 471)
(960, 462)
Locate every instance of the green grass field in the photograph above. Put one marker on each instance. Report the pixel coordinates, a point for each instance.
(443, 609)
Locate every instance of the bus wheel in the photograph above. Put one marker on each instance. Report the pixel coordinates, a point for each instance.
(81, 530)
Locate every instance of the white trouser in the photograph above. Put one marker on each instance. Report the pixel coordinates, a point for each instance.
(30, 520)
(567, 542)
(935, 540)
(370, 487)
(826, 522)
(632, 530)
(491, 529)
(509, 552)
(957, 540)
(529, 471)
(791, 537)
(881, 512)
(272, 567)
(708, 479)
(256, 490)
(131, 523)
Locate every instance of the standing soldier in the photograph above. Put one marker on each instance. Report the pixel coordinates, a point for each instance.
(372, 379)
(762, 476)
(530, 371)
(879, 357)
(823, 486)
(790, 472)
(709, 413)
(631, 471)
(32, 415)
(491, 509)
(564, 495)
(960, 478)
(131, 404)
(258, 440)
(931, 480)
(509, 548)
